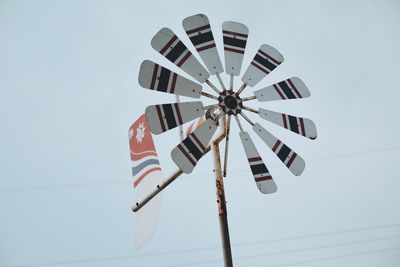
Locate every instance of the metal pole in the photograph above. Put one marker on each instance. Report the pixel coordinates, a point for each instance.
(221, 201)
(156, 190)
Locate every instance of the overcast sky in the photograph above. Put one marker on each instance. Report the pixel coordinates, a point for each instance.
(69, 92)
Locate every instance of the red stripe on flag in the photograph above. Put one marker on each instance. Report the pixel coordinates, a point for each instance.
(184, 59)
(278, 91)
(139, 156)
(186, 154)
(278, 142)
(198, 29)
(205, 47)
(138, 180)
(233, 50)
(153, 78)
(168, 44)
(259, 67)
(303, 130)
(160, 118)
(284, 121)
(235, 33)
(291, 160)
(269, 57)
(294, 88)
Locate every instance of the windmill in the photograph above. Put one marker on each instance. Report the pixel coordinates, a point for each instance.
(228, 103)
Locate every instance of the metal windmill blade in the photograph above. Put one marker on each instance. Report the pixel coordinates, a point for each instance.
(228, 104)
(235, 39)
(302, 126)
(292, 88)
(264, 62)
(199, 31)
(260, 172)
(293, 162)
(155, 77)
(165, 117)
(171, 47)
(192, 148)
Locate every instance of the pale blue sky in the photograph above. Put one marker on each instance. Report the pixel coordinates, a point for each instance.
(69, 92)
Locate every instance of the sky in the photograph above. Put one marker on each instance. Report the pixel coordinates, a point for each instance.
(69, 92)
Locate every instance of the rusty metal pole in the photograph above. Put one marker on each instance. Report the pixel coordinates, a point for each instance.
(221, 201)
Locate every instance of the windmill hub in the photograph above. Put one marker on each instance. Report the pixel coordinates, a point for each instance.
(230, 102)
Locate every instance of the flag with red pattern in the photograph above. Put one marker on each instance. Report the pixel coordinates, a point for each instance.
(146, 171)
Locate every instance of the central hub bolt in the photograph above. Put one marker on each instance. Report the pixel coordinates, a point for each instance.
(230, 102)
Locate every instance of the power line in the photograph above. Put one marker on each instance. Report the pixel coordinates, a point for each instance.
(289, 251)
(119, 182)
(199, 249)
(337, 257)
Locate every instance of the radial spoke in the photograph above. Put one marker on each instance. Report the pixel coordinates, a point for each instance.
(211, 106)
(246, 118)
(239, 123)
(249, 98)
(209, 95)
(231, 82)
(227, 131)
(251, 109)
(213, 87)
(221, 82)
(241, 88)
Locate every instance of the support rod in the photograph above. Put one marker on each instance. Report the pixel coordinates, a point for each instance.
(157, 190)
(170, 178)
(222, 211)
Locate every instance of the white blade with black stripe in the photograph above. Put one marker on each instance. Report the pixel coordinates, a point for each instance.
(302, 126)
(266, 60)
(235, 38)
(292, 161)
(292, 88)
(165, 117)
(192, 148)
(170, 46)
(155, 77)
(261, 175)
(199, 31)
